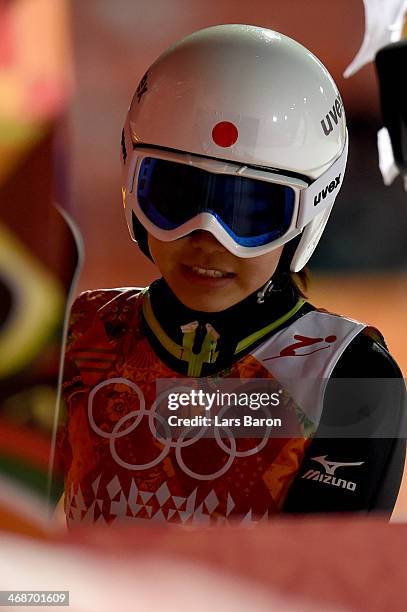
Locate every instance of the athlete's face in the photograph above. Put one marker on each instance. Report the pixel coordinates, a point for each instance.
(205, 276)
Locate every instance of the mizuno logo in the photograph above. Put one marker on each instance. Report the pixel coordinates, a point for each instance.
(331, 466)
(333, 116)
(328, 189)
(329, 478)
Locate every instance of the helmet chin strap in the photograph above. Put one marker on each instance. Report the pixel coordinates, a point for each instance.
(267, 288)
(274, 285)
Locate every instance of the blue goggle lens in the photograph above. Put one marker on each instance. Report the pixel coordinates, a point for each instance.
(253, 212)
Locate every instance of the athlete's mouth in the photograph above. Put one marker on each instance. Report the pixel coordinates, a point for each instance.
(211, 272)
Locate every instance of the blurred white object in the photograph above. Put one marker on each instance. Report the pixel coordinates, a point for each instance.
(152, 583)
(384, 21)
(383, 25)
(387, 164)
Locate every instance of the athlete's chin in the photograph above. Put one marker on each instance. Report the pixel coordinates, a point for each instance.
(207, 304)
(204, 298)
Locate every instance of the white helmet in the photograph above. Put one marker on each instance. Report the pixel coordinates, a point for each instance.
(241, 109)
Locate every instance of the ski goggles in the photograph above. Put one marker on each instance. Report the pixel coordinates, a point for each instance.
(249, 210)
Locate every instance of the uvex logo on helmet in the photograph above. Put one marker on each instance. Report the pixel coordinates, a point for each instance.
(333, 116)
(328, 189)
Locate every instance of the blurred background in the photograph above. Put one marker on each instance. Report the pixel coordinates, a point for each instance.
(67, 75)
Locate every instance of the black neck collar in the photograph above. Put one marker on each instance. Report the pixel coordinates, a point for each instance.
(231, 326)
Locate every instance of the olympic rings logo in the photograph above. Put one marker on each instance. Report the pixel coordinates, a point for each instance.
(167, 442)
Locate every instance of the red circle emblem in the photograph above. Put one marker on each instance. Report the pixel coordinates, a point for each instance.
(225, 134)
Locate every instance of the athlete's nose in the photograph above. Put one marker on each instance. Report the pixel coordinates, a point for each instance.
(201, 239)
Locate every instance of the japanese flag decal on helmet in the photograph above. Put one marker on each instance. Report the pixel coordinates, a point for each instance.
(253, 103)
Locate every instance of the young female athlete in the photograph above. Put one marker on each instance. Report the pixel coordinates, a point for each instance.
(234, 150)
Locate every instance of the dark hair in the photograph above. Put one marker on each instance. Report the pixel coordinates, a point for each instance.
(300, 280)
(282, 275)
